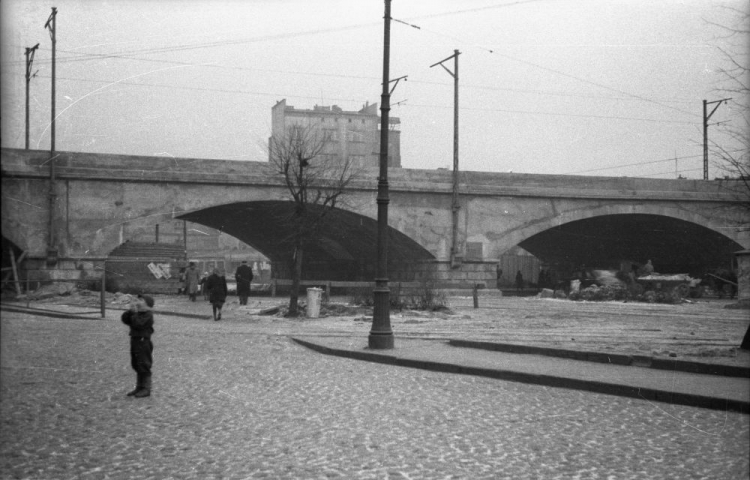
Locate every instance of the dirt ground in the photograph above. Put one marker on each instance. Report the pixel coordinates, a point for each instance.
(702, 330)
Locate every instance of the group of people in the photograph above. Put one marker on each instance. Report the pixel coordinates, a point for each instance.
(214, 286)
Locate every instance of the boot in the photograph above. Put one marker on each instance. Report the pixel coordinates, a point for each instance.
(146, 390)
(138, 385)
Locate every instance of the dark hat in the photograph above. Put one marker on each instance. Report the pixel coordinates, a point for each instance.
(148, 299)
(244, 261)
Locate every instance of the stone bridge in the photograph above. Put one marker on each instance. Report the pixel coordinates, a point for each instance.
(102, 200)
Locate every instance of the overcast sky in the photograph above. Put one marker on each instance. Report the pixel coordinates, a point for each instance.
(593, 87)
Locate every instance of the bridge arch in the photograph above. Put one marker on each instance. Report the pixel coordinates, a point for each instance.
(673, 237)
(344, 249)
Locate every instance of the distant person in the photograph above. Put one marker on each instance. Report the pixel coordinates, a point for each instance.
(519, 281)
(499, 272)
(217, 292)
(202, 282)
(192, 280)
(243, 275)
(647, 269)
(140, 318)
(182, 289)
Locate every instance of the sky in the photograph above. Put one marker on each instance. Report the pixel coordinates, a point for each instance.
(584, 87)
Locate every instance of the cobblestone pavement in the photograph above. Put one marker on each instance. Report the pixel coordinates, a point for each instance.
(237, 399)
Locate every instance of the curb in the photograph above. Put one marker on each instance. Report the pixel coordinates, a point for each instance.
(613, 358)
(686, 399)
(166, 312)
(48, 313)
(56, 314)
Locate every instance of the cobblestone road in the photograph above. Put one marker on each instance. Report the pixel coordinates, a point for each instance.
(237, 399)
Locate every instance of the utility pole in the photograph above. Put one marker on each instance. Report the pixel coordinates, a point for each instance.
(51, 248)
(706, 117)
(29, 60)
(455, 206)
(381, 335)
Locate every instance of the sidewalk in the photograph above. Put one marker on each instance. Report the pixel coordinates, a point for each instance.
(668, 386)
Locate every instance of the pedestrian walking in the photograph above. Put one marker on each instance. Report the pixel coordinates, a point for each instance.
(192, 279)
(140, 319)
(519, 281)
(243, 275)
(217, 292)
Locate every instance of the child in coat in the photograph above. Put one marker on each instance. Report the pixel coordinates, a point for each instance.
(140, 318)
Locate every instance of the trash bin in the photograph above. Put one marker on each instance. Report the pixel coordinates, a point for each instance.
(313, 302)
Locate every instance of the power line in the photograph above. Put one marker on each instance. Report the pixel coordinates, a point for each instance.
(221, 43)
(683, 122)
(633, 164)
(362, 77)
(643, 163)
(645, 99)
(203, 89)
(248, 92)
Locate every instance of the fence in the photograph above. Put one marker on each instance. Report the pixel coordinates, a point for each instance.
(35, 274)
(398, 289)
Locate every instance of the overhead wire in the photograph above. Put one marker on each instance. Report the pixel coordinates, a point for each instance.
(129, 55)
(289, 95)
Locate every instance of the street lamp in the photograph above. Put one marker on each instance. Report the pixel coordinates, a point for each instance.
(381, 335)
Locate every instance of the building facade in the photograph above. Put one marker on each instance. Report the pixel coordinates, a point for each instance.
(354, 135)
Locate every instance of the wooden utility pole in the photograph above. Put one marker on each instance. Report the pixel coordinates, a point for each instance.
(51, 248)
(52, 26)
(29, 60)
(706, 117)
(455, 206)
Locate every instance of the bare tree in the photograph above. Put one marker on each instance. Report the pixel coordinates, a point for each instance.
(316, 181)
(734, 161)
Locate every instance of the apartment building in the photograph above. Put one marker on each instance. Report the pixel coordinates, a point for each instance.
(355, 135)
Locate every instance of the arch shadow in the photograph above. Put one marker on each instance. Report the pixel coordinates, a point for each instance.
(346, 247)
(674, 245)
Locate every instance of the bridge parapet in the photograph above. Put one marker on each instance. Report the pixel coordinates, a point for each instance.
(128, 168)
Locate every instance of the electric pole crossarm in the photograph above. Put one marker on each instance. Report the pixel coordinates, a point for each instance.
(404, 78)
(718, 104)
(706, 117)
(30, 59)
(445, 60)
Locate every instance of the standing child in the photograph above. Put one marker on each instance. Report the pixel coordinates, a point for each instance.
(140, 318)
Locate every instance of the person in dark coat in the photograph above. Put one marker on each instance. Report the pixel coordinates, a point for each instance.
(519, 281)
(243, 275)
(140, 318)
(217, 292)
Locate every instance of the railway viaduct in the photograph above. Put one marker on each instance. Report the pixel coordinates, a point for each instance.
(100, 200)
